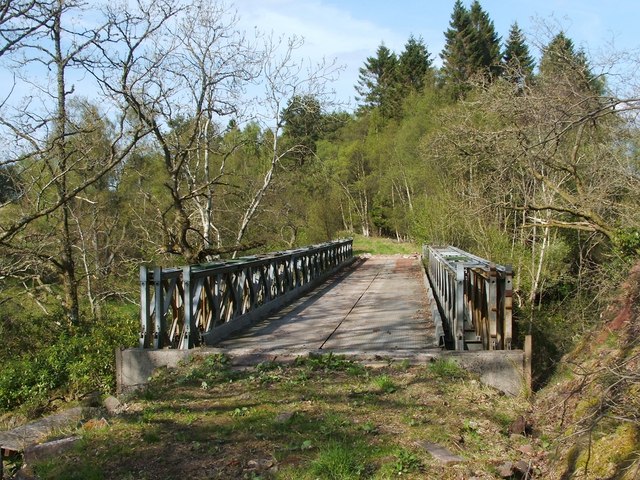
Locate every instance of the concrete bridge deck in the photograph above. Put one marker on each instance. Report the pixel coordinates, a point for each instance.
(377, 305)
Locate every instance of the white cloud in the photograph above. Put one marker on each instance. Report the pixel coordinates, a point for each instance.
(329, 32)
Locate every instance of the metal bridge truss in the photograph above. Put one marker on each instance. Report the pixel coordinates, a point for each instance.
(201, 304)
(474, 298)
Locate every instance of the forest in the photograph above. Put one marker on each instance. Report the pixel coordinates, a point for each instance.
(162, 134)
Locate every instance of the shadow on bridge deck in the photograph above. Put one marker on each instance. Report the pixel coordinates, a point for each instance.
(375, 310)
(377, 305)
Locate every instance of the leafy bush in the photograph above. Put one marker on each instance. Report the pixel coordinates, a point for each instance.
(79, 360)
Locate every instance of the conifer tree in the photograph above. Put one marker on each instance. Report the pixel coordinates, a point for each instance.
(457, 56)
(414, 64)
(378, 82)
(486, 51)
(517, 61)
(562, 63)
(472, 47)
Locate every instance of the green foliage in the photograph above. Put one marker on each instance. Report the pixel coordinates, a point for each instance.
(406, 462)
(330, 363)
(385, 384)
(207, 370)
(447, 368)
(628, 242)
(78, 360)
(338, 461)
(517, 60)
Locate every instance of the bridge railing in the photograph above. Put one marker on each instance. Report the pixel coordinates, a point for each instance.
(200, 304)
(474, 297)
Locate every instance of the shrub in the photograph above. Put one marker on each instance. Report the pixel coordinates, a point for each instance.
(79, 360)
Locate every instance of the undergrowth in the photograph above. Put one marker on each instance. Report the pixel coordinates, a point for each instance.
(74, 361)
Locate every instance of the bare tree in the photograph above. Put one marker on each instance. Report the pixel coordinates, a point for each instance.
(36, 225)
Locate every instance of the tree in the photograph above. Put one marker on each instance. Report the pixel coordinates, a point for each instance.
(458, 57)
(378, 83)
(517, 62)
(472, 48)
(562, 63)
(303, 125)
(53, 171)
(414, 65)
(486, 51)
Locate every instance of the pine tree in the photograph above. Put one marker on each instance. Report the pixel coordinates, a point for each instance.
(486, 51)
(472, 47)
(457, 54)
(378, 83)
(562, 63)
(414, 64)
(517, 61)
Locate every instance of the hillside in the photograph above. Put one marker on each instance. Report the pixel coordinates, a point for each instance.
(589, 415)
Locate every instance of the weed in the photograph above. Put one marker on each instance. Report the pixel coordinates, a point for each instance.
(337, 461)
(406, 462)
(330, 363)
(240, 412)
(404, 365)
(385, 384)
(370, 428)
(446, 368)
(151, 436)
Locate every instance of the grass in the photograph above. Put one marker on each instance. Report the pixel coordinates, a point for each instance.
(382, 246)
(320, 417)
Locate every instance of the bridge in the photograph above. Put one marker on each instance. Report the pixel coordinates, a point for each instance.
(322, 299)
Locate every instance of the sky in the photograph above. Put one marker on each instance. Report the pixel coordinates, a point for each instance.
(351, 30)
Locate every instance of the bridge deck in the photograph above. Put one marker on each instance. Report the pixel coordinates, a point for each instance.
(379, 305)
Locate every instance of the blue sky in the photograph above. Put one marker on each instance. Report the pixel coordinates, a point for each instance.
(351, 30)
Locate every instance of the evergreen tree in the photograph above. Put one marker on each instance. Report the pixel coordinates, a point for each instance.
(517, 61)
(378, 83)
(457, 53)
(561, 63)
(486, 51)
(472, 47)
(414, 64)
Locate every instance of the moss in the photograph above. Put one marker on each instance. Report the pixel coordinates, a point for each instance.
(610, 454)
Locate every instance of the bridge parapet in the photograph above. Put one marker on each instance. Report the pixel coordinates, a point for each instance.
(474, 297)
(183, 307)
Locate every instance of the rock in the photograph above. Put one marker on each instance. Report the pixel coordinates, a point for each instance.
(505, 470)
(91, 400)
(440, 453)
(520, 426)
(522, 467)
(527, 450)
(284, 417)
(94, 424)
(44, 451)
(260, 464)
(112, 405)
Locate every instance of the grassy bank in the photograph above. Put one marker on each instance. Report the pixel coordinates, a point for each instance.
(323, 417)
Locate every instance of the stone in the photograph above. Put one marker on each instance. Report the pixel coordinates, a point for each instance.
(527, 450)
(440, 453)
(94, 424)
(112, 405)
(505, 470)
(522, 467)
(91, 400)
(260, 464)
(284, 417)
(44, 451)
